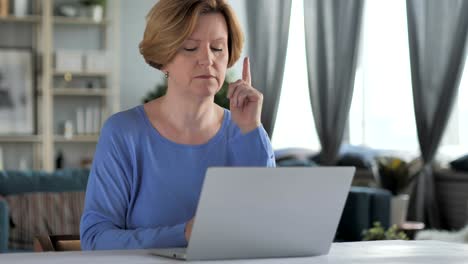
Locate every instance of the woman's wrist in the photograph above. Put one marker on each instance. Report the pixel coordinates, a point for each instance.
(249, 128)
(188, 229)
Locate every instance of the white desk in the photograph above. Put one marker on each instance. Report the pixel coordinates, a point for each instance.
(357, 252)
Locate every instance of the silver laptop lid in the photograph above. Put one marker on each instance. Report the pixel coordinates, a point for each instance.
(268, 212)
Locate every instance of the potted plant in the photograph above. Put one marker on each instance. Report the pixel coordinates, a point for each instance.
(377, 232)
(95, 9)
(396, 175)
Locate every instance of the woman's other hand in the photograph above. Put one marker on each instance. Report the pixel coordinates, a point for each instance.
(245, 101)
(188, 229)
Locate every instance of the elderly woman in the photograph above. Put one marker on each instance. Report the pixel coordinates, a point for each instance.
(151, 160)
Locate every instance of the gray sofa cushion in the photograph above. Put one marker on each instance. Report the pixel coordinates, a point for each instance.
(16, 182)
(460, 164)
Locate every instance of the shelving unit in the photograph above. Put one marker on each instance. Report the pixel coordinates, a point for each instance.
(55, 103)
(18, 138)
(80, 92)
(78, 21)
(26, 19)
(77, 139)
(82, 74)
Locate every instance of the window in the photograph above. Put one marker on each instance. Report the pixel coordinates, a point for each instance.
(382, 111)
(294, 126)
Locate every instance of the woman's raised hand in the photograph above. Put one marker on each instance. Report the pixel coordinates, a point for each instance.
(245, 101)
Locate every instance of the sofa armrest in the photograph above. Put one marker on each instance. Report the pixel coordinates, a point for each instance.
(363, 207)
(380, 207)
(4, 225)
(355, 216)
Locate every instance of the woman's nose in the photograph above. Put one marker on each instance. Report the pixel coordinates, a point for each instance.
(205, 57)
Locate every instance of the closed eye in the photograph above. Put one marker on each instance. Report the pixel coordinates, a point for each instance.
(194, 49)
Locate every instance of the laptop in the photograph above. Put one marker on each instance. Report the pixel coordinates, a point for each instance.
(247, 212)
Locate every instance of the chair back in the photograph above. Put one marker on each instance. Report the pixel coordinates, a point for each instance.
(57, 243)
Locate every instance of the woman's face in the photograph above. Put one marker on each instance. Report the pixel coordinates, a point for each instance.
(199, 67)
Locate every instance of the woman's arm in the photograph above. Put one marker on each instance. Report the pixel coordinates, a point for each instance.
(103, 224)
(252, 149)
(252, 146)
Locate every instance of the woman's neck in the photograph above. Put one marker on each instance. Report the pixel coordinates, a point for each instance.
(185, 119)
(187, 114)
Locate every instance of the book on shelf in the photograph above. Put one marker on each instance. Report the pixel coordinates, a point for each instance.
(4, 7)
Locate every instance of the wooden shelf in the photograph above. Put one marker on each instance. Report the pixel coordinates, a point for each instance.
(80, 92)
(60, 20)
(99, 92)
(77, 139)
(47, 29)
(19, 138)
(82, 74)
(25, 19)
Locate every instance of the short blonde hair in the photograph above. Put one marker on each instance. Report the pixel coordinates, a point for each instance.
(171, 22)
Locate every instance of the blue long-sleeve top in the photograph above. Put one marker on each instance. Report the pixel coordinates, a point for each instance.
(143, 188)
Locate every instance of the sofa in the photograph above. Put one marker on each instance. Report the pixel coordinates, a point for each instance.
(363, 207)
(39, 203)
(452, 196)
(365, 203)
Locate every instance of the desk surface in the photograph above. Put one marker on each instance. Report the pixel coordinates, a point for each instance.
(355, 252)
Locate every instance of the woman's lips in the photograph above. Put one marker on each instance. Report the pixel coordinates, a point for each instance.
(205, 77)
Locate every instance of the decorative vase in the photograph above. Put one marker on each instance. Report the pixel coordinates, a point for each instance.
(399, 209)
(97, 13)
(20, 8)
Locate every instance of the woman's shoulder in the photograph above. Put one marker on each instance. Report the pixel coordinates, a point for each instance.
(124, 121)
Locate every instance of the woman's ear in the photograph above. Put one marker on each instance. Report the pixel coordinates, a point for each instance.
(164, 68)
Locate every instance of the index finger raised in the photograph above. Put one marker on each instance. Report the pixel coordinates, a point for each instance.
(246, 71)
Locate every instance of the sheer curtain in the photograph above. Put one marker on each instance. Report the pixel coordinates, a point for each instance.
(268, 29)
(333, 30)
(455, 140)
(438, 33)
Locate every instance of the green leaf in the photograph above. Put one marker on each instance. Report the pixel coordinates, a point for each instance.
(377, 232)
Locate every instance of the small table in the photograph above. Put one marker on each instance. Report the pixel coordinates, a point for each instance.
(411, 228)
(378, 252)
